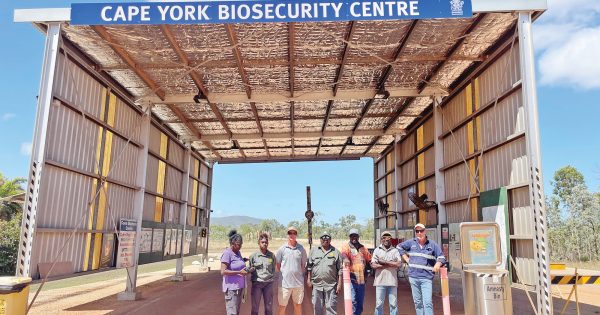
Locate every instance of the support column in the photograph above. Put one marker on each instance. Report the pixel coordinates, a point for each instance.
(39, 147)
(440, 190)
(183, 211)
(544, 298)
(130, 293)
(397, 194)
(208, 209)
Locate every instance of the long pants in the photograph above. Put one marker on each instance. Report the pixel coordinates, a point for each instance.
(358, 298)
(380, 293)
(233, 301)
(421, 292)
(262, 290)
(324, 301)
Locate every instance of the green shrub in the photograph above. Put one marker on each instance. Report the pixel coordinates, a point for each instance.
(9, 244)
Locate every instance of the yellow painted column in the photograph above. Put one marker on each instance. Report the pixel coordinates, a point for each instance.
(160, 183)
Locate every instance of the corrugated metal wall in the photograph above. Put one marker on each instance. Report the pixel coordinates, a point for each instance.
(385, 190)
(88, 132)
(415, 172)
(486, 114)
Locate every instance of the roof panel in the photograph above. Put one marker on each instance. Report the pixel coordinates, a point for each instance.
(377, 38)
(134, 39)
(262, 40)
(203, 42)
(319, 40)
(315, 77)
(310, 108)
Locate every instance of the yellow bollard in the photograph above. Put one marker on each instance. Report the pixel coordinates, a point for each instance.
(14, 294)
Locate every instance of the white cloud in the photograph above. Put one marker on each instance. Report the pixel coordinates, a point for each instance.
(26, 148)
(575, 63)
(567, 40)
(7, 116)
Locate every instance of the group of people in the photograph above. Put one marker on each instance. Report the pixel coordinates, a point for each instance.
(322, 269)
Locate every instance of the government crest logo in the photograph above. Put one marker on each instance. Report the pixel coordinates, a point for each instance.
(456, 7)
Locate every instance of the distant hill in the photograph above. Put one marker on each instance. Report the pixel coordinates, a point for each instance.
(234, 220)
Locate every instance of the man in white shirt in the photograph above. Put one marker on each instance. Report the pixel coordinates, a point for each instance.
(386, 261)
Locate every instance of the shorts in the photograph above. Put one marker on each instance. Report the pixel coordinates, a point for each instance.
(283, 296)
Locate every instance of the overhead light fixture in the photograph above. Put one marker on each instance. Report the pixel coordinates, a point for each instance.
(349, 141)
(382, 93)
(200, 96)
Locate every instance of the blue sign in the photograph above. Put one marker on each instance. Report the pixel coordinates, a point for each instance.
(248, 11)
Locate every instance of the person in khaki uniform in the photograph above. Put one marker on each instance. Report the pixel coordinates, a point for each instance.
(325, 276)
(262, 266)
(386, 261)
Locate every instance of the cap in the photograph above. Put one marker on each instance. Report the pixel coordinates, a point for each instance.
(419, 225)
(386, 233)
(353, 231)
(291, 228)
(325, 234)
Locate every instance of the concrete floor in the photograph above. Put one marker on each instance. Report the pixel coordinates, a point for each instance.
(201, 294)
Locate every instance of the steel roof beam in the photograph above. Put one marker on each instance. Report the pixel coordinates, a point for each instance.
(297, 119)
(279, 62)
(423, 85)
(301, 158)
(284, 96)
(238, 58)
(193, 129)
(297, 135)
(340, 71)
(124, 55)
(291, 55)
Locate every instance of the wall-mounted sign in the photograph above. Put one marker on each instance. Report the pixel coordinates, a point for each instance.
(187, 241)
(167, 249)
(126, 249)
(146, 240)
(108, 247)
(157, 240)
(204, 12)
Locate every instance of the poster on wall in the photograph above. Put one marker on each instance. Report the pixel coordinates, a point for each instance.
(167, 250)
(126, 249)
(157, 240)
(108, 246)
(146, 240)
(173, 242)
(187, 242)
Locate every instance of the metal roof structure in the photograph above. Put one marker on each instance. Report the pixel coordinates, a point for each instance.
(290, 91)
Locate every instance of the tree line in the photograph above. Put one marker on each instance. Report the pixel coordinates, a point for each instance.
(338, 230)
(573, 218)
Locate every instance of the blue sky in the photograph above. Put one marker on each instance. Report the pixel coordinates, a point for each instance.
(567, 41)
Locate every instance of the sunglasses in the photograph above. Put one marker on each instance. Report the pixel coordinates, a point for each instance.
(292, 233)
(326, 238)
(419, 231)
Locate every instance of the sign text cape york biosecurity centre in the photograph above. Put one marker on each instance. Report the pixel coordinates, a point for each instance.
(264, 11)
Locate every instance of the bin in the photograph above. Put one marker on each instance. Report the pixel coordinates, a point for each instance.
(14, 294)
(487, 292)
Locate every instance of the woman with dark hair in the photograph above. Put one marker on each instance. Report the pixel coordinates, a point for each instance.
(233, 270)
(262, 266)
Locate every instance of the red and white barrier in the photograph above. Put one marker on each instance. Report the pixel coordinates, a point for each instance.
(347, 292)
(445, 290)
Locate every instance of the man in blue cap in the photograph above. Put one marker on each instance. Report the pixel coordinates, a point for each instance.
(424, 257)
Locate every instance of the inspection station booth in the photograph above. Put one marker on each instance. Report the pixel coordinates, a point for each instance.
(138, 102)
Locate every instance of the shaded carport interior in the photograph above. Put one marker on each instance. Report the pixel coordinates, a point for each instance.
(290, 91)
